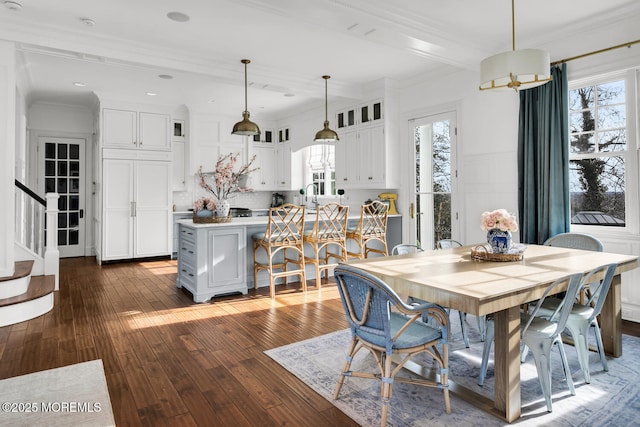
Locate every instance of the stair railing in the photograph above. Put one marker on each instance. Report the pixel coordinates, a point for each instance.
(30, 219)
(37, 226)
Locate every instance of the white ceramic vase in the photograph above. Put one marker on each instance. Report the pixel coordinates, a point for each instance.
(222, 208)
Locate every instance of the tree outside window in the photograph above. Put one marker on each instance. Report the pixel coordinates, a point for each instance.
(598, 150)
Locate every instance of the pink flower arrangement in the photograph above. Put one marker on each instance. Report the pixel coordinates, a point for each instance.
(501, 219)
(204, 203)
(226, 179)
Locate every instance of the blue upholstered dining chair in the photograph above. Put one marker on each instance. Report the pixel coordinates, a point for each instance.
(405, 248)
(575, 241)
(392, 331)
(540, 333)
(584, 315)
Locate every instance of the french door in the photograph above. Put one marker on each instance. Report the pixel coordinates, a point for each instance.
(435, 179)
(63, 172)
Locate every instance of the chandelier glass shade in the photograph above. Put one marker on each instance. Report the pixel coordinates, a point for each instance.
(515, 69)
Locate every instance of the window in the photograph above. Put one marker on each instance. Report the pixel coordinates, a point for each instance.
(599, 153)
(322, 168)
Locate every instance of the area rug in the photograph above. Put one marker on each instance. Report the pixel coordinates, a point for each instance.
(74, 395)
(611, 399)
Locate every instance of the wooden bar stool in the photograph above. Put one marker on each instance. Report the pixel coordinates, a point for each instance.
(329, 234)
(283, 233)
(371, 227)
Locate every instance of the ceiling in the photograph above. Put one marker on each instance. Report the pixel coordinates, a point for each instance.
(291, 44)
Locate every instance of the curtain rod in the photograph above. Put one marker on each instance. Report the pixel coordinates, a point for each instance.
(629, 44)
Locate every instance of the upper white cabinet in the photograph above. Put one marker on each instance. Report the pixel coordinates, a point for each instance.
(365, 151)
(267, 136)
(367, 113)
(264, 179)
(360, 161)
(136, 130)
(284, 134)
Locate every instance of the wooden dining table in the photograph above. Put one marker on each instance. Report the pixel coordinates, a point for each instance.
(455, 279)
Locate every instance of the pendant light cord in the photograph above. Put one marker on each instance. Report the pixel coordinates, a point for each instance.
(513, 26)
(326, 102)
(246, 61)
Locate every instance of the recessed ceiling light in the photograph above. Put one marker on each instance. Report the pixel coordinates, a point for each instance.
(151, 94)
(211, 101)
(178, 16)
(79, 84)
(13, 5)
(88, 22)
(165, 76)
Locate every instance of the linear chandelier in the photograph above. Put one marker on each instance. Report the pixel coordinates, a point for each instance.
(515, 69)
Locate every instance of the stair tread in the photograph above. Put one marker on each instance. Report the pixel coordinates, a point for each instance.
(21, 269)
(39, 286)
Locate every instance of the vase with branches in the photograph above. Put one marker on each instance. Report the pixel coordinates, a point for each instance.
(226, 180)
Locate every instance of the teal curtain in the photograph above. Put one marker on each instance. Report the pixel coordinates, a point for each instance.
(543, 160)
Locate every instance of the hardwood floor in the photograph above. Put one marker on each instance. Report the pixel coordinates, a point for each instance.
(170, 362)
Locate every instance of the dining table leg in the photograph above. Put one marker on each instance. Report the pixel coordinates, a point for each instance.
(507, 363)
(611, 319)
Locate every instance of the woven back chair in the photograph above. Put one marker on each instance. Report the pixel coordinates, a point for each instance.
(372, 227)
(327, 238)
(284, 233)
(393, 332)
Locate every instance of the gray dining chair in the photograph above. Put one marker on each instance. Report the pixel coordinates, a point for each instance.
(393, 332)
(540, 334)
(447, 243)
(405, 248)
(575, 241)
(584, 315)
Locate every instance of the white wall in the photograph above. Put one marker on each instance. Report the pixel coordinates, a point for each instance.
(487, 145)
(7, 156)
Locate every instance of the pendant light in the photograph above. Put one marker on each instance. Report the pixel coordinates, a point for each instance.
(326, 134)
(246, 126)
(515, 69)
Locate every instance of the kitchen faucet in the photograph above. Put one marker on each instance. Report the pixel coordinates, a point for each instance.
(314, 200)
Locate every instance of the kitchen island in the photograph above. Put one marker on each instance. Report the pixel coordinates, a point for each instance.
(216, 259)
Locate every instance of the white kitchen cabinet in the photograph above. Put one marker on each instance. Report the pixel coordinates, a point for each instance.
(360, 161)
(283, 167)
(136, 208)
(264, 179)
(135, 130)
(346, 118)
(284, 134)
(212, 261)
(178, 182)
(265, 137)
(370, 112)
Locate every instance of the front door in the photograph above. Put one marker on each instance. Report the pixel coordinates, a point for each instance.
(435, 174)
(63, 169)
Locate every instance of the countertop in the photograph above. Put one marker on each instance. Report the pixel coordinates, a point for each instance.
(259, 221)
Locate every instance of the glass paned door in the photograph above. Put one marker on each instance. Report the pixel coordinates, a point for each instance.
(62, 161)
(435, 179)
